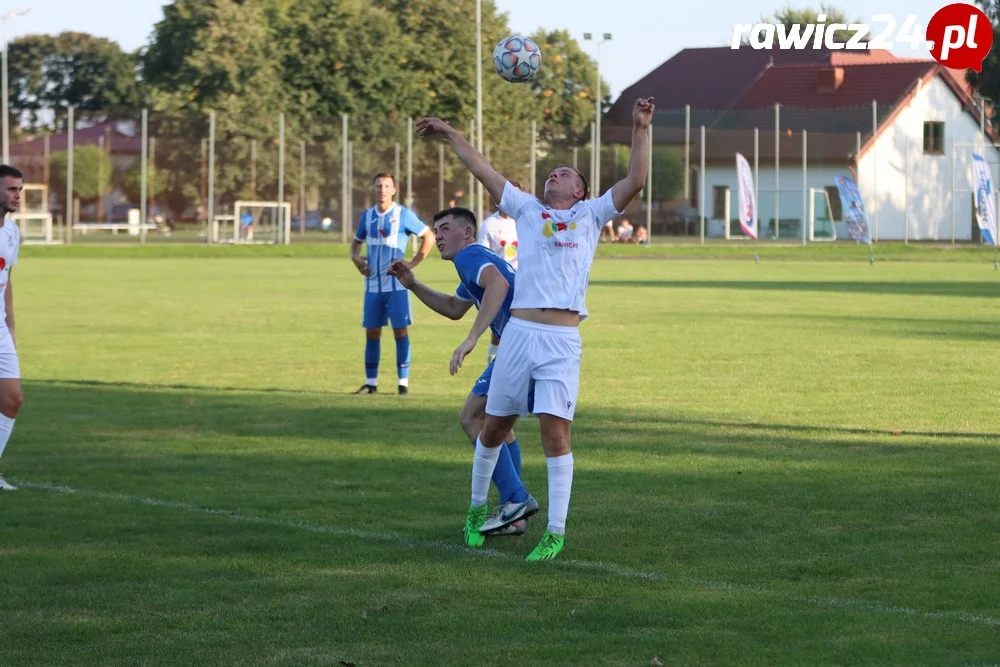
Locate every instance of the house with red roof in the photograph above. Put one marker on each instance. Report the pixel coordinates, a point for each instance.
(903, 129)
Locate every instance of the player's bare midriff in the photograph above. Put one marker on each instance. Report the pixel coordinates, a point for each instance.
(558, 317)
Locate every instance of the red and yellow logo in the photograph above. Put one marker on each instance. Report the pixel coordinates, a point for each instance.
(550, 228)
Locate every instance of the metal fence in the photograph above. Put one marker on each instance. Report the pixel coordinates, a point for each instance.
(156, 177)
(913, 167)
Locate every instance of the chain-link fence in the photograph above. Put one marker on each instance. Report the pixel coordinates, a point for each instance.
(180, 177)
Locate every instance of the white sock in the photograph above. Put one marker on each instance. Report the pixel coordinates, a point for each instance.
(560, 486)
(372, 381)
(483, 464)
(7, 425)
(491, 352)
(404, 382)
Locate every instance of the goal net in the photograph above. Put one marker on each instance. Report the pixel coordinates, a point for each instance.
(34, 227)
(822, 226)
(34, 219)
(262, 222)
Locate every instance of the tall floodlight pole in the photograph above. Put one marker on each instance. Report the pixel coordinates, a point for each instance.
(596, 185)
(479, 100)
(3, 42)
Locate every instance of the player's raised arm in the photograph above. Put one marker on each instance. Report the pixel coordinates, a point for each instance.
(441, 303)
(474, 161)
(625, 190)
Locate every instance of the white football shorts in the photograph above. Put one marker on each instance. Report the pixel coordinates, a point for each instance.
(537, 370)
(9, 366)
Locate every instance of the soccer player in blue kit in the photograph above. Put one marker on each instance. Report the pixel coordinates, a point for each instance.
(487, 281)
(385, 229)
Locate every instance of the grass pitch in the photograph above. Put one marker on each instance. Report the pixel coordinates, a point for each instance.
(794, 462)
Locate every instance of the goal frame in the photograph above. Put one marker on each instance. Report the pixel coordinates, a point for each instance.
(283, 224)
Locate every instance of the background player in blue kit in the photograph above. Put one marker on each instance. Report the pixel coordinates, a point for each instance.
(385, 228)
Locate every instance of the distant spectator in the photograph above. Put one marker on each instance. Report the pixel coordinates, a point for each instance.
(246, 225)
(625, 231)
(608, 232)
(641, 235)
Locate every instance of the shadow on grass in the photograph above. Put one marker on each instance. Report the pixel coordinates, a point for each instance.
(95, 410)
(962, 288)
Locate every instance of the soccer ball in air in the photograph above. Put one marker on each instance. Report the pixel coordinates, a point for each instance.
(517, 59)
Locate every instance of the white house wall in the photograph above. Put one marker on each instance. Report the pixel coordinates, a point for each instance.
(908, 194)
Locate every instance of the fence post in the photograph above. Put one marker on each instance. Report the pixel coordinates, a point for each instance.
(875, 164)
(69, 177)
(213, 237)
(954, 166)
(440, 176)
(409, 162)
(143, 212)
(345, 216)
(283, 225)
(687, 154)
(472, 179)
(701, 187)
(906, 192)
(756, 175)
(534, 151)
(777, 171)
(649, 187)
(805, 190)
(302, 186)
(593, 158)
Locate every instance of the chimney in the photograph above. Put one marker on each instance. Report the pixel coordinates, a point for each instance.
(829, 79)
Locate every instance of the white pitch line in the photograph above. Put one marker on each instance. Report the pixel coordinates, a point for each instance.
(439, 545)
(390, 538)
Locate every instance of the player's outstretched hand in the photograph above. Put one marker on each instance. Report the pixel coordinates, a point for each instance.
(432, 127)
(404, 274)
(642, 112)
(361, 263)
(461, 352)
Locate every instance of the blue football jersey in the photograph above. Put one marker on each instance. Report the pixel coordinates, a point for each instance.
(470, 262)
(386, 235)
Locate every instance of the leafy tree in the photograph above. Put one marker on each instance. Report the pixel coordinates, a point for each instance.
(380, 62)
(75, 69)
(214, 56)
(85, 172)
(565, 88)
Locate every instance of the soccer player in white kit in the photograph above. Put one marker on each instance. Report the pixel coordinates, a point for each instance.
(499, 233)
(11, 185)
(539, 355)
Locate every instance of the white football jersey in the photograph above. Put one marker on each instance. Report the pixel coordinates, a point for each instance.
(555, 249)
(499, 234)
(10, 244)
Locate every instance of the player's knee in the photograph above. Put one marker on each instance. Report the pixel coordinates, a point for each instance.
(471, 422)
(373, 334)
(556, 436)
(11, 403)
(494, 432)
(400, 333)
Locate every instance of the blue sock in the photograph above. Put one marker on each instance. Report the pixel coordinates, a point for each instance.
(515, 456)
(373, 350)
(506, 479)
(403, 358)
